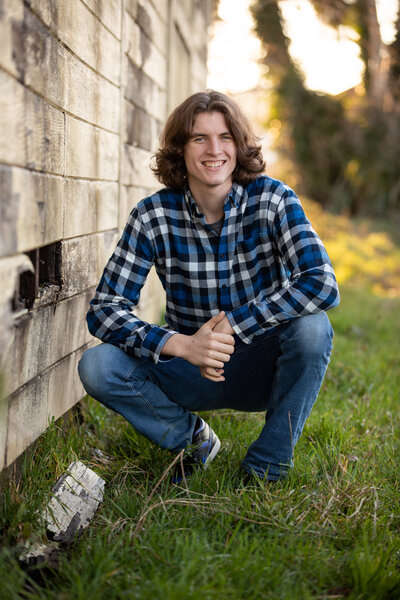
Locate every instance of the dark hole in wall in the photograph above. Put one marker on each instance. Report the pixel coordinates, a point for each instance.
(47, 265)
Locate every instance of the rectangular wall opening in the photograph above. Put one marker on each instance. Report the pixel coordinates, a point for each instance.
(47, 263)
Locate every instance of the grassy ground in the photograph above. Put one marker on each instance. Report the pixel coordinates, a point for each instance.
(331, 530)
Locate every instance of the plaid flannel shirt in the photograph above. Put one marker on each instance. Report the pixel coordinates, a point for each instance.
(266, 267)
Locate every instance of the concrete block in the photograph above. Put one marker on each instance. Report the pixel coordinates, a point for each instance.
(81, 265)
(145, 54)
(11, 15)
(199, 24)
(143, 19)
(39, 58)
(198, 70)
(98, 47)
(10, 270)
(31, 213)
(90, 207)
(153, 25)
(135, 168)
(142, 91)
(28, 416)
(183, 22)
(129, 197)
(193, 20)
(180, 70)
(49, 69)
(35, 345)
(140, 128)
(90, 97)
(91, 152)
(66, 394)
(131, 8)
(32, 131)
(131, 40)
(85, 261)
(30, 409)
(162, 8)
(109, 13)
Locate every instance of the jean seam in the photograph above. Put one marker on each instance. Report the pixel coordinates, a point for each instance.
(144, 400)
(275, 384)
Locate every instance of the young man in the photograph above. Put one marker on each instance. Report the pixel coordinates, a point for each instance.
(247, 284)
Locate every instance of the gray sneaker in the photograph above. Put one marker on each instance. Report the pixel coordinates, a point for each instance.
(205, 444)
(204, 449)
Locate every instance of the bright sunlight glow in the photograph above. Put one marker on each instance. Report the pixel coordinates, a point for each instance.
(329, 58)
(234, 49)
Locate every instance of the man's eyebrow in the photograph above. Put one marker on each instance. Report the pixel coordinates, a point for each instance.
(199, 134)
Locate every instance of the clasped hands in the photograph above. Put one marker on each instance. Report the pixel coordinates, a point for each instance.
(209, 348)
(217, 337)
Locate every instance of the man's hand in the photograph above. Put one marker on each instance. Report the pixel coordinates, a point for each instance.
(207, 348)
(217, 374)
(223, 326)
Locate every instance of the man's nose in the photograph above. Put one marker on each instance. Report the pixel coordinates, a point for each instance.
(213, 146)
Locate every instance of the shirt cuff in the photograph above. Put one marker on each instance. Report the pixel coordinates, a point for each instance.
(154, 342)
(244, 324)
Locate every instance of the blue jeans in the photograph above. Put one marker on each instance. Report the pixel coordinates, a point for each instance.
(280, 372)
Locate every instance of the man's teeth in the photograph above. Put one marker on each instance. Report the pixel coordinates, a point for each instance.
(214, 164)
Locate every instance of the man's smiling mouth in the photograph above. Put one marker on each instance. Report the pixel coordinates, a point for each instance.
(213, 164)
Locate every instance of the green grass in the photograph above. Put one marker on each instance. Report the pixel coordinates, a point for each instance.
(331, 530)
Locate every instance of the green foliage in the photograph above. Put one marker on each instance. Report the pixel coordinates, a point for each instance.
(344, 150)
(321, 151)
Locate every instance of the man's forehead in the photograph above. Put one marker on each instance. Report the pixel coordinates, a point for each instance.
(209, 120)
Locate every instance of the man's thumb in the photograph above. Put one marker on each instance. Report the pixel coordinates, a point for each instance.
(216, 319)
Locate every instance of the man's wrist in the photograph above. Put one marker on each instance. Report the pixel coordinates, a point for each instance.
(174, 346)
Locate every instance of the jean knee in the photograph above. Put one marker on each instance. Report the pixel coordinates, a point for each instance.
(313, 335)
(94, 368)
(88, 371)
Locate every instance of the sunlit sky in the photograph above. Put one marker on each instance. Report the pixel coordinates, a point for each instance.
(329, 58)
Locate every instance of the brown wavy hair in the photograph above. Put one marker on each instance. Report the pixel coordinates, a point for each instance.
(170, 168)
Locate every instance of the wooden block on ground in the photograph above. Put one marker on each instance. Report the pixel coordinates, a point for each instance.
(76, 496)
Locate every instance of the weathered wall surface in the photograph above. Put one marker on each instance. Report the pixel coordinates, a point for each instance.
(85, 88)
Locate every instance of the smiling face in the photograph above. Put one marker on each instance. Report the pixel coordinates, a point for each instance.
(210, 155)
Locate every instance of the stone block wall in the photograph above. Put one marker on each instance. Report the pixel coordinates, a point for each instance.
(85, 88)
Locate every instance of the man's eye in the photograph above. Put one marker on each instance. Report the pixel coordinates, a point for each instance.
(226, 137)
(199, 138)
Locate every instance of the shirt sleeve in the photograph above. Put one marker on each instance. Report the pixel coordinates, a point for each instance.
(310, 286)
(110, 317)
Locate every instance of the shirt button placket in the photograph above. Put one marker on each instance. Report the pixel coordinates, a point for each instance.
(222, 271)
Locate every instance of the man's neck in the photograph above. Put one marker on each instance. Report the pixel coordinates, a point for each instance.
(210, 200)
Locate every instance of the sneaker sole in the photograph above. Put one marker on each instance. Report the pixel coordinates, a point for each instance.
(214, 452)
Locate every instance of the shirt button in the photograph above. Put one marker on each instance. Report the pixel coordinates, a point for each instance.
(224, 286)
(221, 255)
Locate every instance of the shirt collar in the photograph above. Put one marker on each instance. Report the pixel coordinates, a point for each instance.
(236, 194)
(235, 198)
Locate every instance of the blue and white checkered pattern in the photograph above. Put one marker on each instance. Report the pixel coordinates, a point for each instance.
(266, 267)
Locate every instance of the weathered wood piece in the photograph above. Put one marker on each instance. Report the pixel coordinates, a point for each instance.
(76, 497)
(38, 554)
